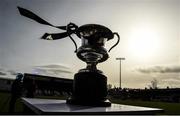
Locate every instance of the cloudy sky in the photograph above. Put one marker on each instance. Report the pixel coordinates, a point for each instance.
(149, 30)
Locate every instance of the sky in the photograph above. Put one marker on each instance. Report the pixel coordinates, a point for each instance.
(149, 31)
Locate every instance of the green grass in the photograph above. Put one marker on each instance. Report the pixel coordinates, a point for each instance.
(169, 108)
(5, 98)
(4, 103)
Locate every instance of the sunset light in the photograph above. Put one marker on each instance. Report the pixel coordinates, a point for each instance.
(143, 43)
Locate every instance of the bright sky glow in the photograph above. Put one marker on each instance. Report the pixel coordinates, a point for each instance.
(143, 43)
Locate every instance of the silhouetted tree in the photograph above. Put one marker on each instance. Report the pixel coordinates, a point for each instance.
(109, 86)
(154, 83)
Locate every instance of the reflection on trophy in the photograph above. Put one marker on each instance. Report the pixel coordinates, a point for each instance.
(90, 84)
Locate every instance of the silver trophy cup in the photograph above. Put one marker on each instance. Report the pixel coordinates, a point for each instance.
(90, 84)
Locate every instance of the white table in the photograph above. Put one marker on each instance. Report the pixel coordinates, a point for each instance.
(53, 106)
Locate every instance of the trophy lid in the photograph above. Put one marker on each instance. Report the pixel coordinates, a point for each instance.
(94, 31)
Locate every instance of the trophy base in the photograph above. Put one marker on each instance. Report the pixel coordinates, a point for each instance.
(105, 103)
(90, 89)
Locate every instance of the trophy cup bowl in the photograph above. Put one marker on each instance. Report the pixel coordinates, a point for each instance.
(90, 84)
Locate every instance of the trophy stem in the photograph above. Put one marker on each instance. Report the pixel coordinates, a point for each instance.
(91, 66)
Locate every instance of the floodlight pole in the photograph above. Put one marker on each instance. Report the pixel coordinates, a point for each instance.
(120, 70)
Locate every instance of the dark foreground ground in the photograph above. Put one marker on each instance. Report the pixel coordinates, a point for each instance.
(169, 108)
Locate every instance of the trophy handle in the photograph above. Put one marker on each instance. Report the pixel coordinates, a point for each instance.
(71, 28)
(116, 42)
(74, 43)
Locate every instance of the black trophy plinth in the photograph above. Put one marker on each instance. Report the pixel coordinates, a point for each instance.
(90, 88)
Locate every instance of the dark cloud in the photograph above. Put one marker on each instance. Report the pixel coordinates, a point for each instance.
(39, 70)
(53, 66)
(3, 73)
(60, 71)
(12, 72)
(160, 69)
(52, 69)
(49, 70)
